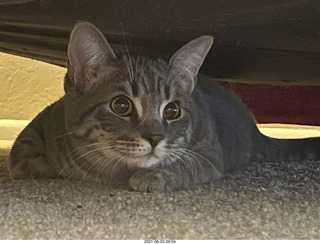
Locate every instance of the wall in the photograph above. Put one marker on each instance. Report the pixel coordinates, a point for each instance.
(27, 86)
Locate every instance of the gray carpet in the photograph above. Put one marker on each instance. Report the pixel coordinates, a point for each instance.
(269, 201)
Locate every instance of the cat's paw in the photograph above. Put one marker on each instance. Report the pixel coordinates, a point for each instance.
(153, 180)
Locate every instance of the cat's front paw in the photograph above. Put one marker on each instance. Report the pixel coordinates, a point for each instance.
(153, 180)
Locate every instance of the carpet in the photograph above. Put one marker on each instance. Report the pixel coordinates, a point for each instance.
(264, 201)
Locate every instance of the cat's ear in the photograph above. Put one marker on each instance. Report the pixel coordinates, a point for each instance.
(186, 62)
(89, 56)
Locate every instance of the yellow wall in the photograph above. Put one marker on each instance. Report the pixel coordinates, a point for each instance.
(27, 86)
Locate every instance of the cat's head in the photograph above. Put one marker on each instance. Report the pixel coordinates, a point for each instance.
(139, 109)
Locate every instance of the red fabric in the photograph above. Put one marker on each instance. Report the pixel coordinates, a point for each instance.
(281, 104)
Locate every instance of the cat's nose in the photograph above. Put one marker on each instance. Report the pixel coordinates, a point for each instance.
(154, 139)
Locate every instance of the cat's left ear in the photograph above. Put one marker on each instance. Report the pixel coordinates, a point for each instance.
(186, 62)
(89, 56)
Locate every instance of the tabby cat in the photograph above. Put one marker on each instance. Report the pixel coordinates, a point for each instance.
(144, 123)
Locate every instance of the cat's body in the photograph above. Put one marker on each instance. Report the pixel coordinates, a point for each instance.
(144, 123)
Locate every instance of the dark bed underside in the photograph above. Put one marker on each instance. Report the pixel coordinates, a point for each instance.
(257, 42)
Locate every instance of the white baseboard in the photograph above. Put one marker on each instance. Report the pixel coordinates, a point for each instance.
(9, 130)
(289, 130)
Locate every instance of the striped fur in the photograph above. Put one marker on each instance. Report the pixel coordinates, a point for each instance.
(81, 137)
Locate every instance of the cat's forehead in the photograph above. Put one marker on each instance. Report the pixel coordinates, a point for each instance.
(147, 78)
(142, 68)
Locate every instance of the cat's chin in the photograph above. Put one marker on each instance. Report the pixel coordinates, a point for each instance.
(145, 161)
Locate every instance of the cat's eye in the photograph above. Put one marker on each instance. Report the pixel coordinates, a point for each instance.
(171, 111)
(121, 106)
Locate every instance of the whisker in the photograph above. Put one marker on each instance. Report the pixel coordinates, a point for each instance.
(78, 150)
(137, 61)
(130, 69)
(80, 167)
(82, 148)
(179, 159)
(66, 134)
(104, 167)
(130, 76)
(95, 163)
(198, 144)
(109, 156)
(68, 163)
(92, 165)
(189, 162)
(173, 161)
(199, 155)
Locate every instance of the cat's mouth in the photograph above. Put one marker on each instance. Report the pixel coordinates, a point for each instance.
(145, 155)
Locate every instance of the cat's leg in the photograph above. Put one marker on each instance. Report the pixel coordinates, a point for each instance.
(150, 180)
(175, 177)
(28, 158)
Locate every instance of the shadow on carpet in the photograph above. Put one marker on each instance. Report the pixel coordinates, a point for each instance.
(266, 201)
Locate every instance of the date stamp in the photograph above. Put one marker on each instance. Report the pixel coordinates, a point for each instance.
(159, 241)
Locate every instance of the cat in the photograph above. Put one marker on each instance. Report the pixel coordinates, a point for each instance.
(143, 122)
